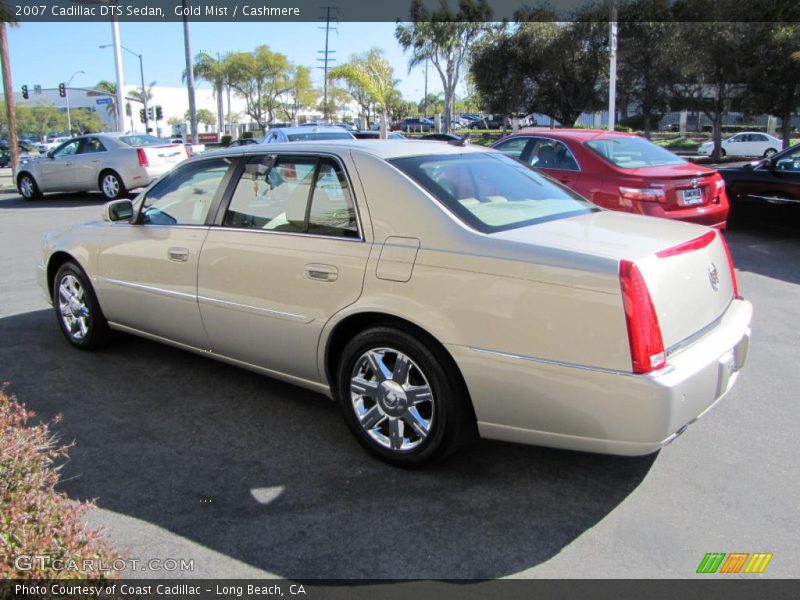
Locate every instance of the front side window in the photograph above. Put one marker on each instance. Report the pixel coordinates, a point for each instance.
(185, 196)
(67, 149)
(491, 191)
(633, 152)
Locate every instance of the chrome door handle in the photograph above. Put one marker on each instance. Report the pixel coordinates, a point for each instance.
(178, 254)
(319, 272)
(95, 161)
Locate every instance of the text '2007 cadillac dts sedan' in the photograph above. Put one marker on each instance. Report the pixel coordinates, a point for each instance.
(434, 292)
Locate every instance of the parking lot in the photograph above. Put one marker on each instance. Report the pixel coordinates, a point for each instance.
(193, 459)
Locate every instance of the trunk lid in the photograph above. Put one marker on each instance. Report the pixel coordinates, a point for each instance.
(684, 186)
(164, 155)
(689, 281)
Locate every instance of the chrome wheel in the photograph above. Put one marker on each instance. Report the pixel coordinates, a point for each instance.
(110, 186)
(26, 187)
(392, 399)
(73, 307)
(769, 152)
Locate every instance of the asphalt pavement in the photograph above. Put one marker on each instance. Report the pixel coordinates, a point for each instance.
(245, 476)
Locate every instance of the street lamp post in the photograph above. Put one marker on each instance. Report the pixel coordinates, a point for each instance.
(144, 90)
(66, 97)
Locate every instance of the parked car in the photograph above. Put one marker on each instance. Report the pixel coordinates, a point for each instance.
(624, 172)
(111, 163)
(376, 135)
(26, 152)
(414, 124)
(306, 133)
(432, 290)
(487, 122)
(242, 142)
(773, 180)
(747, 143)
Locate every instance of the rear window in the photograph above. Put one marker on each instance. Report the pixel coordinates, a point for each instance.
(633, 152)
(492, 192)
(137, 141)
(319, 135)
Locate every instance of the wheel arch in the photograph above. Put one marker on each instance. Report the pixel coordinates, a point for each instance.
(54, 263)
(354, 323)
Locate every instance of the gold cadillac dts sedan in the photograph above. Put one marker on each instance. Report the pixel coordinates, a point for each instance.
(434, 291)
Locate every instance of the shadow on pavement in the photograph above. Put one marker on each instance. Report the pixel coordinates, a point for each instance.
(765, 239)
(268, 473)
(55, 200)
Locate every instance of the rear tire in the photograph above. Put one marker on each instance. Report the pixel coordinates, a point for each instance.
(769, 152)
(111, 185)
(28, 188)
(77, 309)
(401, 399)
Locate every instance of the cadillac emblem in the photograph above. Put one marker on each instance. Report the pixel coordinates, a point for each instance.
(713, 276)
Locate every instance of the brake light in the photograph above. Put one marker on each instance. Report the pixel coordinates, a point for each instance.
(644, 331)
(643, 194)
(695, 244)
(734, 283)
(142, 157)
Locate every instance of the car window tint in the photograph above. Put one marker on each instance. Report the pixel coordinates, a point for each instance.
(759, 137)
(513, 147)
(552, 154)
(67, 149)
(272, 195)
(332, 210)
(632, 152)
(185, 196)
(92, 145)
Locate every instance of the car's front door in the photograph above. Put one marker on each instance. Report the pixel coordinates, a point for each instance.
(148, 269)
(779, 184)
(55, 173)
(286, 255)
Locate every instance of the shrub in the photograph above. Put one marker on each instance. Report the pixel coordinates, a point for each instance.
(225, 141)
(35, 519)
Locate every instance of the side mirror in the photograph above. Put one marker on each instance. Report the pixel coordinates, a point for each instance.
(49, 153)
(118, 210)
(771, 163)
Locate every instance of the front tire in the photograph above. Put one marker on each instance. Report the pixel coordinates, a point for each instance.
(28, 188)
(77, 310)
(769, 152)
(403, 402)
(111, 185)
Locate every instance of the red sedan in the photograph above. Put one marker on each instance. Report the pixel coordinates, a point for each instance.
(624, 172)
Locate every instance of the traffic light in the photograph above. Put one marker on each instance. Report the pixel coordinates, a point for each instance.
(150, 113)
(141, 115)
(62, 90)
(159, 113)
(25, 92)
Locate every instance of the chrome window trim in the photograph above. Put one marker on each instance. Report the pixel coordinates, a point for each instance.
(294, 233)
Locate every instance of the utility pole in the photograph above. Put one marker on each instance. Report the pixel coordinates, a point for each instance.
(119, 75)
(425, 97)
(612, 71)
(326, 58)
(189, 73)
(8, 90)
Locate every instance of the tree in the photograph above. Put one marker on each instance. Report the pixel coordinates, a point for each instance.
(648, 54)
(109, 90)
(772, 74)
(301, 93)
(501, 90)
(260, 78)
(141, 97)
(431, 104)
(86, 121)
(212, 70)
(375, 77)
(338, 98)
(204, 116)
(41, 119)
(444, 38)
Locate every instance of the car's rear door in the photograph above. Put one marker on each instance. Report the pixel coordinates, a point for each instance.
(286, 254)
(147, 270)
(54, 173)
(777, 185)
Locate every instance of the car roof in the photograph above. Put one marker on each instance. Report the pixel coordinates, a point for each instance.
(573, 134)
(385, 149)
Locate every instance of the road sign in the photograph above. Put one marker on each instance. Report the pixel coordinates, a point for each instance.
(104, 100)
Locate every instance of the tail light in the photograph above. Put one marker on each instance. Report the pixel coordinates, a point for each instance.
(142, 157)
(734, 283)
(643, 194)
(644, 331)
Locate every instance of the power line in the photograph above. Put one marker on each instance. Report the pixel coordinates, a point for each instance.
(326, 54)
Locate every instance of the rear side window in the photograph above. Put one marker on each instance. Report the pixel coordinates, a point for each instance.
(513, 147)
(296, 194)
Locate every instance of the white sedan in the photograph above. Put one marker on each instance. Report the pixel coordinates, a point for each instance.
(747, 143)
(433, 291)
(109, 162)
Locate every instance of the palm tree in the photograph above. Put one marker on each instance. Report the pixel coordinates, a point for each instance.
(213, 71)
(372, 74)
(110, 89)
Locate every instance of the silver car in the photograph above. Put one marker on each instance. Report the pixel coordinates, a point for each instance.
(433, 290)
(307, 133)
(109, 162)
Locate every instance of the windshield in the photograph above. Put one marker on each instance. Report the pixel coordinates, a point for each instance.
(492, 192)
(319, 135)
(633, 152)
(137, 141)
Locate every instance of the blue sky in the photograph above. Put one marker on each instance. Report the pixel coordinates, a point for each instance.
(48, 53)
